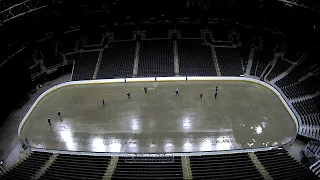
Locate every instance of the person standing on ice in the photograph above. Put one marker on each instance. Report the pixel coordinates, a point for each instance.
(49, 121)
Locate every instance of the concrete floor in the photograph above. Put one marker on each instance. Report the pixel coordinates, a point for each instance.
(244, 115)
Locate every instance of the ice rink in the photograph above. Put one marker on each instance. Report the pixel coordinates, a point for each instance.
(244, 115)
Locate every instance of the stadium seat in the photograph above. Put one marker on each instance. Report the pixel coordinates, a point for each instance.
(149, 167)
(156, 58)
(85, 64)
(220, 166)
(67, 166)
(307, 87)
(230, 61)
(280, 67)
(281, 165)
(123, 32)
(27, 168)
(117, 60)
(190, 30)
(260, 61)
(156, 31)
(195, 58)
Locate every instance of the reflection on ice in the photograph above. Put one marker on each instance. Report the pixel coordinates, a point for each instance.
(135, 125)
(224, 143)
(258, 129)
(98, 145)
(168, 146)
(66, 137)
(187, 145)
(206, 145)
(115, 146)
(153, 145)
(133, 145)
(210, 142)
(186, 124)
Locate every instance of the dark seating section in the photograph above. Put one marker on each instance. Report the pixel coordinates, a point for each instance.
(225, 166)
(35, 70)
(298, 72)
(219, 32)
(230, 61)
(124, 32)
(314, 147)
(67, 166)
(309, 126)
(195, 58)
(281, 165)
(69, 42)
(315, 168)
(305, 87)
(93, 38)
(260, 61)
(245, 51)
(148, 168)
(292, 54)
(292, 77)
(156, 31)
(156, 58)
(31, 62)
(308, 106)
(247, 35)
(265, 53)
(85, 64)
(117, 60)
(27, 168)
(280, 67)
(309, 111)
(190, 30)
(278, 163)
(51, 59)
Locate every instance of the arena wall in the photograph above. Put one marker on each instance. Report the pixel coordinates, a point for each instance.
(159, 79)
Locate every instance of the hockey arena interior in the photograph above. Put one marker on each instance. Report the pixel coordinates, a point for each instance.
(190, 89)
